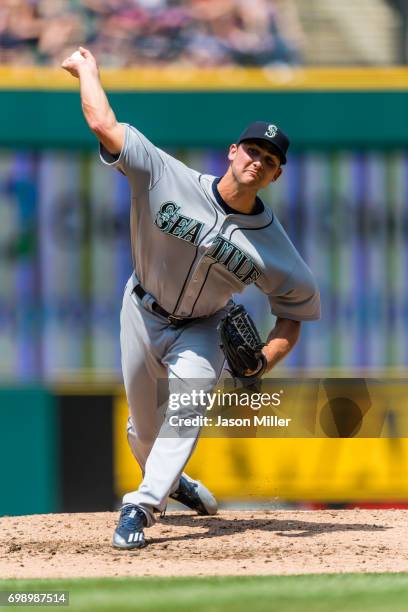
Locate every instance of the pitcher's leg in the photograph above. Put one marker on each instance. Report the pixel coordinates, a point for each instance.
(141, 433)
(194, 362)
(140, 368)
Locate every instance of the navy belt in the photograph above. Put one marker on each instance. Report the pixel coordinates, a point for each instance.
(172, 319)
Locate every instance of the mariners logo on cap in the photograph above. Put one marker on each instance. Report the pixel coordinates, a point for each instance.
(271, 131)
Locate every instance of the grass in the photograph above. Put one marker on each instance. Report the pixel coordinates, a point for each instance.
(315, 592)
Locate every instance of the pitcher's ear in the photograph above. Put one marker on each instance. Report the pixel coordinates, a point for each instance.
(277, 174)
(232, 152)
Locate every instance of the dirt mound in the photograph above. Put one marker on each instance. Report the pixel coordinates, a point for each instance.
(231, 543)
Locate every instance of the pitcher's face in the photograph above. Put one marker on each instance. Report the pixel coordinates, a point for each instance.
(254, 165)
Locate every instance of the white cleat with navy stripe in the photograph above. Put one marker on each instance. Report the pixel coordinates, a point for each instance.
(194, 495)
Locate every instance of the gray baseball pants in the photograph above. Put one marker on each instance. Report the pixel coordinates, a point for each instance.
(156, 359)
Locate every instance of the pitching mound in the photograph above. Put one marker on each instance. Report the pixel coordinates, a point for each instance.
(231, 543)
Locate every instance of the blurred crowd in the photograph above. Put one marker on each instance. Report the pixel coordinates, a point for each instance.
(151, 32)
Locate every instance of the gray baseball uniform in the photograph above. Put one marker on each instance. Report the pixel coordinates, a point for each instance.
(190, 257)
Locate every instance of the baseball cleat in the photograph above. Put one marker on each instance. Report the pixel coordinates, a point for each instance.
(129, 531)
(194, 495)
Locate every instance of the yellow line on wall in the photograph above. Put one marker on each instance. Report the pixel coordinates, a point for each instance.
(220, 79)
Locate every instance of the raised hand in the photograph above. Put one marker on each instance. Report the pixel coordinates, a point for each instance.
(80, 59)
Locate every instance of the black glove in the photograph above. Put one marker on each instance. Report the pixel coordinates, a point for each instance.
(242, 346)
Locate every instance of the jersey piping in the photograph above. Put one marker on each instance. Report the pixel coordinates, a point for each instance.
(213, 263)
(195, 257)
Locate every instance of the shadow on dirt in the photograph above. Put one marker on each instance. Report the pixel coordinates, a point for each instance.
(217, 526)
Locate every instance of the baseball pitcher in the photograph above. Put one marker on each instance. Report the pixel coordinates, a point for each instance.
(196, 240)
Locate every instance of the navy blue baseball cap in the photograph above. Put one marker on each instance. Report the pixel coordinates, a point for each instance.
(271, 133)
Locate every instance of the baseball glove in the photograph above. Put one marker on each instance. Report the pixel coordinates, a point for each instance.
(242, 346)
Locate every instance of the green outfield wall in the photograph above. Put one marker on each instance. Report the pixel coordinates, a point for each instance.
(29, 451)
(56, 450)
(54, 119)
(354, 107)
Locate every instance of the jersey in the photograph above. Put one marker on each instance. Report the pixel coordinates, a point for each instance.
(192, 256)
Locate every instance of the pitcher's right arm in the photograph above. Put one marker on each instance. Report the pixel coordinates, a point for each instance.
(95, 105)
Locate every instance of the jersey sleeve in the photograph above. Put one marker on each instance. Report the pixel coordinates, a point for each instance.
(139, 160)
(298, 296)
